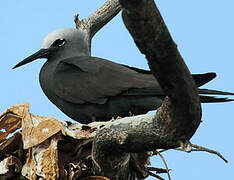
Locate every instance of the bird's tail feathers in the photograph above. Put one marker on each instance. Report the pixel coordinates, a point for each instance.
(214, 92)
(213, 99)
(201, 79)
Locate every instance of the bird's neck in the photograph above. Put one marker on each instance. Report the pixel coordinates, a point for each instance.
(72, 52)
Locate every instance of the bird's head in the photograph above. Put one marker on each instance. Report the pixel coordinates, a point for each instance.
(59, 45)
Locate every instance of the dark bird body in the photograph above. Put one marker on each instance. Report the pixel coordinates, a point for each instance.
(88, 88)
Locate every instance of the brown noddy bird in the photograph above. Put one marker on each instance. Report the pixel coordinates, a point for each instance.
(89, 88)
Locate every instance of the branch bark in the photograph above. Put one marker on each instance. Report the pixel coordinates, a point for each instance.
(180, 114)
(98, 19)
(144, 22)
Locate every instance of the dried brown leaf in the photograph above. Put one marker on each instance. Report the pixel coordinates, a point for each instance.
(10, 120)
(42, 160)
(37, 129)
(10, 161)
(49, 160)
(13, 144)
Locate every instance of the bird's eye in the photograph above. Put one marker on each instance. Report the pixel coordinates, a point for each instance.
(59, 43)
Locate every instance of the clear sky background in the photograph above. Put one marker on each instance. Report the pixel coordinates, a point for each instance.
(203, 31)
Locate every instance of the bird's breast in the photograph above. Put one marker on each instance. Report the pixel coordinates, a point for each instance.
(46, 79)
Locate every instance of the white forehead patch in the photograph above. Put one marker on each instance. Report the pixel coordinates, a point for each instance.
(69, 34)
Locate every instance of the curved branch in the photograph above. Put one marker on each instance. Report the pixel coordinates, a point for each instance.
(99, 18)
(144, 22)
(180, 114)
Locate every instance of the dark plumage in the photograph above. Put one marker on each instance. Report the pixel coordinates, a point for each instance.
(88, 88)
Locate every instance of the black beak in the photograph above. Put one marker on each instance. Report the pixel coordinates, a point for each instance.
(42, 53)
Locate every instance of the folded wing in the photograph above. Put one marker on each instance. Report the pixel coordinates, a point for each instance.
(93, 80)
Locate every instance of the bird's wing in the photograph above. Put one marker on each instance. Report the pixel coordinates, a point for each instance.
(88, 79)
(200, 79)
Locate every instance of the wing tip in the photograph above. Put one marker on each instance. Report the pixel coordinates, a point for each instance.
(214, 99)
(201, 79)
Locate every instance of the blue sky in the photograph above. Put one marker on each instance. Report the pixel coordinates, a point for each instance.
(203, 31)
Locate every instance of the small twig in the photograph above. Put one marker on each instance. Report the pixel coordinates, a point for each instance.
(161, 156)
(163, 150)
(155, 175)
(158, 170)
(77, 21)
(200, 148)
(13, 115)
(99, 18)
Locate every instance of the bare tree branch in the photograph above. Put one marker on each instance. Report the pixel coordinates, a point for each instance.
(155, 175)
(144, 22)
(200, 148)
(157, 170)
(180, 114)
(98, 19)
(188, 147)
(164, 162)
(102, 16)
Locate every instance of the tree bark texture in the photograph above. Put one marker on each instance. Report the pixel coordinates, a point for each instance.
(180, 114)
(98, 19)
